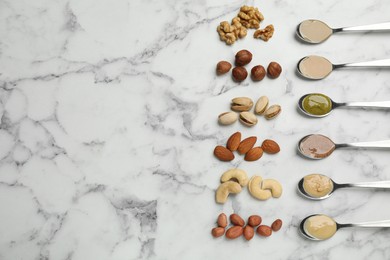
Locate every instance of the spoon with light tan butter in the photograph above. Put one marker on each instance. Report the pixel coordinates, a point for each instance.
(316, 31)
(321, 227)
(317, 67)
(318, 187)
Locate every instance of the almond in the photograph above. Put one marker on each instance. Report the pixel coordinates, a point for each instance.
(254, 154)
(218, 231)
(234, 232)
(249, 232)
(276, 225)
(254, 220)
(234, 141)
(264, 231)
(237, 220)
(223, 154)
(222, 220)
(270, 146)
(246, 144)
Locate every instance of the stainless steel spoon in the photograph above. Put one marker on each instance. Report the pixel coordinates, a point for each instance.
(317, 67)
(333, 104)
(335, 186)
(316, 146)
(373, 224)
(316, 31)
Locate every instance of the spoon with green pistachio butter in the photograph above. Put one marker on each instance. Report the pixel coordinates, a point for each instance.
(320, 105)
(316, 31)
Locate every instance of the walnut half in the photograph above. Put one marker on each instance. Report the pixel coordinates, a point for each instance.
(264, 34)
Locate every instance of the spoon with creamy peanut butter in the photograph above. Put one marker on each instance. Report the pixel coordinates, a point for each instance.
(317, 67)
(316, 31)
(321, 227)
(318, 146)
(319, 187)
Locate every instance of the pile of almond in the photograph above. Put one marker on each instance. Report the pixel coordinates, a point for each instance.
(239, 228)
(244, 105)
(245, 147)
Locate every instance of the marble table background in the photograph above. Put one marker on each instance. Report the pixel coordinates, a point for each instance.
(108, 122)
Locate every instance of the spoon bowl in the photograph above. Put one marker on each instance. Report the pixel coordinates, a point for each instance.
(306, 233)
(314, 67)
(306, 194)
(314, 101)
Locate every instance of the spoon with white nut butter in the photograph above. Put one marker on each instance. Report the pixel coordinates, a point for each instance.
(319, 187)
(320, 105)
(321, 227)
(316, 31)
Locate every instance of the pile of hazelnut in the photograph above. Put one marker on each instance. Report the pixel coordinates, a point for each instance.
(239, 73)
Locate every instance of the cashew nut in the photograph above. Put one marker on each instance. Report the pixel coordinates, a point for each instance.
(225, 189)
(274, 186)
(256, 190)
(237, 174)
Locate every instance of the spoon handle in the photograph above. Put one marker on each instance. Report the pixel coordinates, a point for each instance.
(375, 144)
(370, 27)
(378, 104)
(374, 64)
(374, 184)
(379, 224)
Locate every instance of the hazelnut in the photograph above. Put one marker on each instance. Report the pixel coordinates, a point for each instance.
(274, 70)
(258, 73)
(223, 67)
(243, 57)
(239, 74)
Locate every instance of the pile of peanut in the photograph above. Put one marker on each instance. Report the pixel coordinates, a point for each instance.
(239, 228)
(249, 17)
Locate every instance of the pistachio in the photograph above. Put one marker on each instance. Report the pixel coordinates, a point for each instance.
(248, 118)
(261, 105)
(272, 112)
(241, 104)
(227, 118)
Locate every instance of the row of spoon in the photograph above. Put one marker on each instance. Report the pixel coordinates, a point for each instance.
(319, 226)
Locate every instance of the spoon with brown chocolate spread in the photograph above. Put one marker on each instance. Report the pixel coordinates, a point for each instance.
(316, 146)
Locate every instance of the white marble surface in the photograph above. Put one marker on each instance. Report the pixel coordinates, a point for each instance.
(108, 122)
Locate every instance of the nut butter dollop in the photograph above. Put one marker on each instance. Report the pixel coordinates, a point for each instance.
(317, 146)
(317, 185)
(317, 104)
(314, 31)
(315, 67)
(320, 227)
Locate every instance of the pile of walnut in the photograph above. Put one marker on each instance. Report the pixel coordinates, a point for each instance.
(249, 17)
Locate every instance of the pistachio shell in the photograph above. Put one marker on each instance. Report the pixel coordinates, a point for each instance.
(227, 118)
(261, 105)
(272, 112)
(241, 104)
(248, 118)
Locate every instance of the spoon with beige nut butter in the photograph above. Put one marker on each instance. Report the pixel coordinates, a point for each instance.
(321, 227)
(319, 187)
(318, 146)
(317, 67)
(320, 105)
(316, 31)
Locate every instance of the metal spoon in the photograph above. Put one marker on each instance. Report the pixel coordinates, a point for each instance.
(373, 224)
(335, 186)
(317, 67)
(323, 146)
(316, 31)
(333, 104)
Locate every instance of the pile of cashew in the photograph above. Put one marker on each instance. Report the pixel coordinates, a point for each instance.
(264, 189)
(233, 180)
